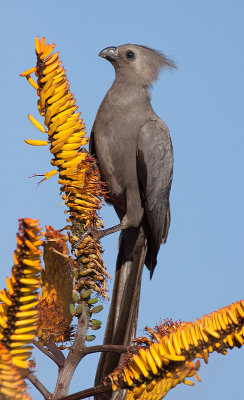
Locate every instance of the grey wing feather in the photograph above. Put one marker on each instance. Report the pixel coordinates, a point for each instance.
(92, 149)
(155, 171)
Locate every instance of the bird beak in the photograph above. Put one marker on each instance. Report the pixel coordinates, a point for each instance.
(110, 53)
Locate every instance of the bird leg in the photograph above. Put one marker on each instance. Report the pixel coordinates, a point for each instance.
(99, 234)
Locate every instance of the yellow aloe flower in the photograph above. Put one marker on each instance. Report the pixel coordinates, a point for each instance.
(18, 310)
(78, 175)
(166, 359)
(66, 135)
(12, 385)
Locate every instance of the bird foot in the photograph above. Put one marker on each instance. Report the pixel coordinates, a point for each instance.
(99, 234)
(93, 232)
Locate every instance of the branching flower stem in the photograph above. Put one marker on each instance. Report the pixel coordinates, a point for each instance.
(75, 355)
(58, 361)
(52, 348)
(67, 367)
(113, 348)
(84, 394)
(39, 386)
(101, 388)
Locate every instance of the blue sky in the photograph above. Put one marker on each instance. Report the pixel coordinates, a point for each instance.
(201, 267)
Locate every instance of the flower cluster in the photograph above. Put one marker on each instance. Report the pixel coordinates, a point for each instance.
(57, 286)
(52, 325)
(167, 358)
(78, 174)
(18, 310)
(12, 385)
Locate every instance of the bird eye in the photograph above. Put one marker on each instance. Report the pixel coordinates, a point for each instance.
(130, 54)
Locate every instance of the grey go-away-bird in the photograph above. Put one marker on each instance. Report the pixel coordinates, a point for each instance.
(135, 158)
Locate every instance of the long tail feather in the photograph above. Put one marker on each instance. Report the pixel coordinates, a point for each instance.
(123, 314)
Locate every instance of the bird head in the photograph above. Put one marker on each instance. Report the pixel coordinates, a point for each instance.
(136, 63)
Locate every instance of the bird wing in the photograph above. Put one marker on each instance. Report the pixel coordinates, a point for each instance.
(155, 171)
(92, 149)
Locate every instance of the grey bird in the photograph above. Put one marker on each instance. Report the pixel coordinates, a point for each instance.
(133, 149)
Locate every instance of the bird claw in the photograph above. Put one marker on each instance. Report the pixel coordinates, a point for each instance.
(93, 232)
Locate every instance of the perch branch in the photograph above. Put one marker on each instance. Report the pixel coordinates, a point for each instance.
(106, 348)
(39, 386)
(88, 392)
(75, 355)
(59, 362)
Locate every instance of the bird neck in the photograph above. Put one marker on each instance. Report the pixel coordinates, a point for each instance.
(130, 92)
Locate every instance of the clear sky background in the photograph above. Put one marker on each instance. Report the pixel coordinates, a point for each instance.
(201, 267)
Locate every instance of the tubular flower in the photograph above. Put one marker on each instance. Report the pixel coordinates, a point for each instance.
(18, 310)
(77, 170)
(53, 325)
(57, 286)
(167, 358)
(12, 385)
(58, 269)
(78, 175)
(91, 272)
